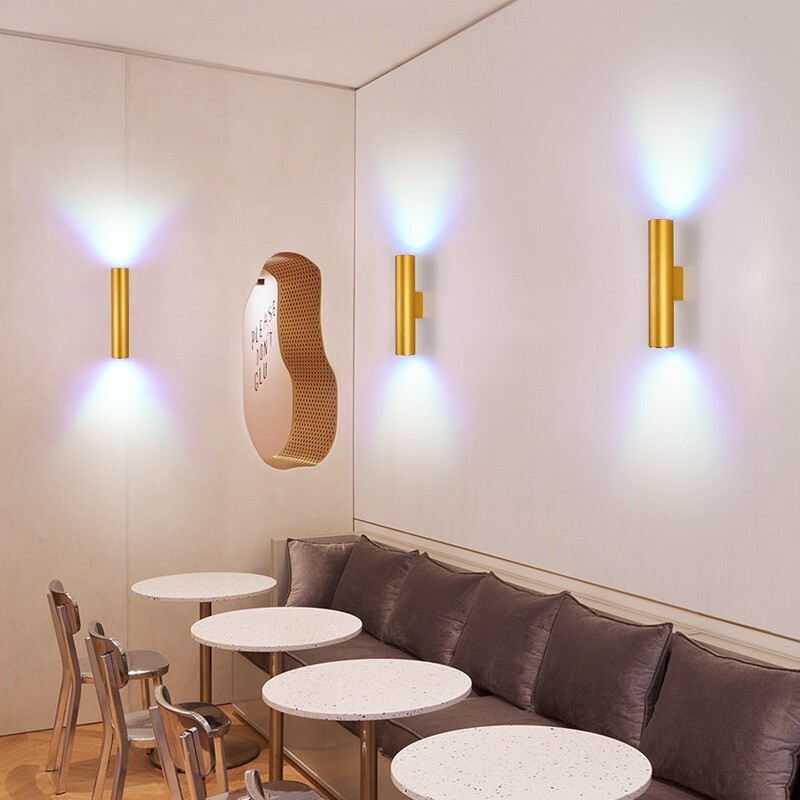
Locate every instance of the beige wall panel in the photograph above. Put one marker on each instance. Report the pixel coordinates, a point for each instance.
(520, 161)
(62, 471)
(242, 167)
(113, 472)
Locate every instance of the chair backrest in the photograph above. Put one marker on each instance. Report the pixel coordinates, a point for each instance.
(63, 599)
(175, 720)
(192, 743)
(184, 743)
(254, 786)
(111, 652)
(110, 670)
(67, 622)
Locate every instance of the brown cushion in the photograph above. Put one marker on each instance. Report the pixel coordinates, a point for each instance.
(371, 582)
(504, 639)
(362, 646)
(314, 571)
(394, 735)
(432, 609)
(661, 790)
(724, 727)
(599, 673)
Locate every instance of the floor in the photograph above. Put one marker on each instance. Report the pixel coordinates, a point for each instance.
(23, 756)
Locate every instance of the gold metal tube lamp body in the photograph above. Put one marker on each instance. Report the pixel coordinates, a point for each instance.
(407, 306)
(119, 312)
(665, 283)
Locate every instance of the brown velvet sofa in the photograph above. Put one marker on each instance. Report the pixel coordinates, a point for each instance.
(713, 726)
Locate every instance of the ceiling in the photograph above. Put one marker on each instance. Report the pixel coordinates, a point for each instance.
(342, 42)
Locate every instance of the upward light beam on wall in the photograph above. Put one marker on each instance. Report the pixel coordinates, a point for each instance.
(684, 131)
(420, 184)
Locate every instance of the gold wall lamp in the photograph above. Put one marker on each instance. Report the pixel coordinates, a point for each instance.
(665, 282)
(407, 306)
(119, 312)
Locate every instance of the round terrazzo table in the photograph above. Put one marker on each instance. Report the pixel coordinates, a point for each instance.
(366, 690)
(520, 762)
(274, 631)
(206, 588)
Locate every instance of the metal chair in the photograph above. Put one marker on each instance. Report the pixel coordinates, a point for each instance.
(143, 665)
(189, 750)
(110, 669)
(276, 790)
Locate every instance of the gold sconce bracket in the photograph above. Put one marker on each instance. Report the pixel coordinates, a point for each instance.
(408, 305)
(677, 283)
(665, 282)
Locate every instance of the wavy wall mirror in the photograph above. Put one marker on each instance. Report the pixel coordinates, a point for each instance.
(290, 396)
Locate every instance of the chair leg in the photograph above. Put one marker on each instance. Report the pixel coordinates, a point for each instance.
(145, 687)
(69, 739)
(58, 724)
(120, 772)
(221, 768)
(102, 764)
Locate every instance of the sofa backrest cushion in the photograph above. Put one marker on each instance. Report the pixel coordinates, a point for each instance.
(724, 727)
(371, 582)
(601, 674)
(315, 569)
(432, 608)
(503, 642)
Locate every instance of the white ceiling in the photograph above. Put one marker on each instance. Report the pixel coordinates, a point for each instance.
(343, 42)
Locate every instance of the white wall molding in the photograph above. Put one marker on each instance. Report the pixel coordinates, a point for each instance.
(745, 640)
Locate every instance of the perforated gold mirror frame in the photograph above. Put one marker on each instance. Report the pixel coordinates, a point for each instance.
(314, 392)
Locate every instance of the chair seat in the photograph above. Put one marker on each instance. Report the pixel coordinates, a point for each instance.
(274, 790)
(217, 719)
(140, 729)
(142, 665)
(289, 790)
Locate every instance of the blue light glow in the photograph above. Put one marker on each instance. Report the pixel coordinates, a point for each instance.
(116, 394)
(119, 236)
(682, 121)
(675, 442)
(417, 420)
(420, 183)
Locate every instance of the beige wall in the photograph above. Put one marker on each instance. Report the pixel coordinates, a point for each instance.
(521, 161)
(113, 472)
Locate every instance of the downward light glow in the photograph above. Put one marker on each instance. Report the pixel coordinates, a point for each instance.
(415, 408)
(675, 441)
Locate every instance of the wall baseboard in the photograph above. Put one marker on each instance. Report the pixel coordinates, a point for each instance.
(749, 642)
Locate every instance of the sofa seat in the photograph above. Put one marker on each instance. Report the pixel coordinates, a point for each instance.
(394, 735)
(361, 646)
(661, 790)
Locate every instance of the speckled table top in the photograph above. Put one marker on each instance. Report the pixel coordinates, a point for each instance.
(520, 762)
(365, 689)
(204, 587)
(264, 630)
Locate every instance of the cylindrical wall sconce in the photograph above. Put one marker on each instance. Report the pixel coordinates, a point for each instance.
(665, 282)
(407, 306)
(119, 312)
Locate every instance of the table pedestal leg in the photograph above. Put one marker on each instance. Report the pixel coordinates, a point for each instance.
(369, 760)
(205, 660)
(238, 750)
(275, 725)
